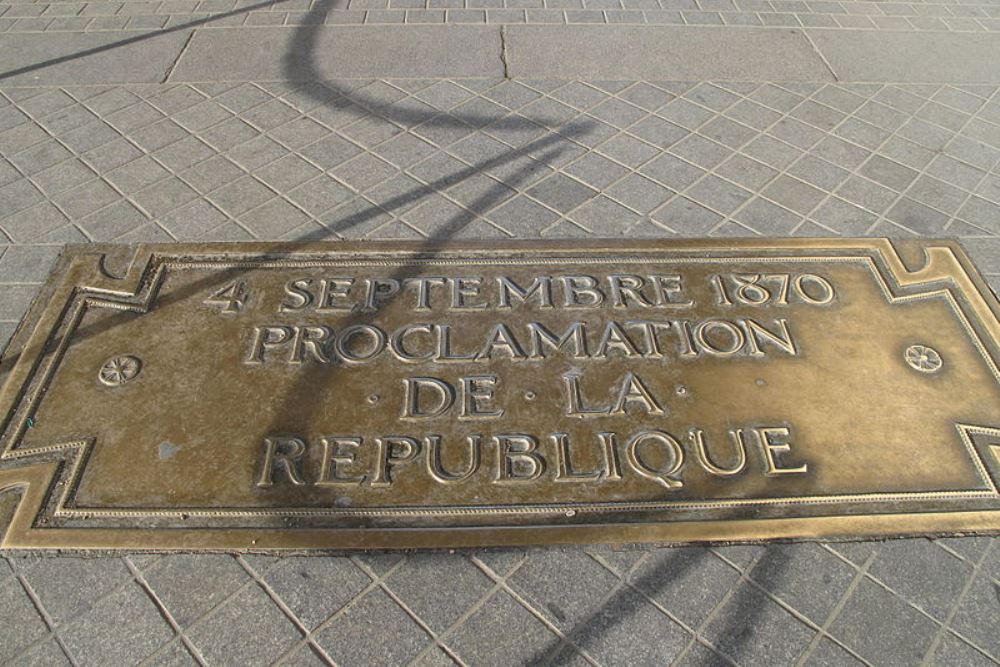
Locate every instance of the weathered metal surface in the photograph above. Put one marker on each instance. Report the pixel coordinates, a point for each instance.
(265, 396)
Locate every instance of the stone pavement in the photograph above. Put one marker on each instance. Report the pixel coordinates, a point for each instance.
(167, 126)
(103, 15)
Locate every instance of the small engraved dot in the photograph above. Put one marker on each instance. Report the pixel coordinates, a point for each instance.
(760, 382)
(681, 390)
(374, 398)
(530, 395)
(570, 512)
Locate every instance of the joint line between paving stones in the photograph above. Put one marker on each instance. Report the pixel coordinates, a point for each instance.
(693, 631)
(30, 179)
(368, 150)
(162, 608)
(437, 641)
(205, 614)
(972, 192)
(821, 55)
(307, 639)
(804, 152)
(515, 152)
(43, 612)
(562, 637)
(819, 631)
(698, 637)
(946, 625)
(923, 171)
(286, 610)
(97, 172)
(878, 582)
(712, 171)
(805, 216)
(135, 39)
(859, 576)
(812, 625)
(649, 16)
(737, 211)
(499, 584)
(578, 224)
(856, 171)
(783, 114)
(827, 195)
(173, 65)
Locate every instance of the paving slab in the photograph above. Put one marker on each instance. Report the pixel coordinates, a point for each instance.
(901, 57)
(341, 52)
(81, 58)
(111, 15)
(662, 53)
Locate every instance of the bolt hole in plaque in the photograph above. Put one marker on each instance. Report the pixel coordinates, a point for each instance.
(339, 396)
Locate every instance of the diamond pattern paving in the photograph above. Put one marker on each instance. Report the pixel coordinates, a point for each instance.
(500, 159)
(784, 604)
(257, 160)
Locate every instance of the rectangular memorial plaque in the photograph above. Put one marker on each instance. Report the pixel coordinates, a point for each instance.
(328, 396)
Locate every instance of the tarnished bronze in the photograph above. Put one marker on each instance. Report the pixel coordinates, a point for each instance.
(333, 396)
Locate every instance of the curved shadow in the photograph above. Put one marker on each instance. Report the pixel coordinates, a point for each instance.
(600, 622)
(747, 606)
(299, 64)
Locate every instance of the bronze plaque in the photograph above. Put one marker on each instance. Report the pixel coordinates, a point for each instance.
(331, 396)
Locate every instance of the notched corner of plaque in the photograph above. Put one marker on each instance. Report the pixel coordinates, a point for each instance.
(22, 494)
(11, 499)
(924, 256)
(110, 261)
(914, 262)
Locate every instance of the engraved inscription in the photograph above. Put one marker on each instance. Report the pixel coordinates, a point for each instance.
(260, 397)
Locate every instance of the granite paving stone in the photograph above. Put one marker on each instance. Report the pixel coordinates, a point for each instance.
(439, 591)
(806, 577)
(688, 582)
(174, 654)
(829, 654)
(122, 628)
(904, 634)
(566, 588)
(973, 614)
(23, 626)
(750, 628)
(627, 629)
(69, 587)
(189, 586)
(43, 654)
(954, 651)
(518, 635)
(247, 629)
(358, 635)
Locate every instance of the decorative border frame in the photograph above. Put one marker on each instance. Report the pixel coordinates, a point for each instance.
(44, 335)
